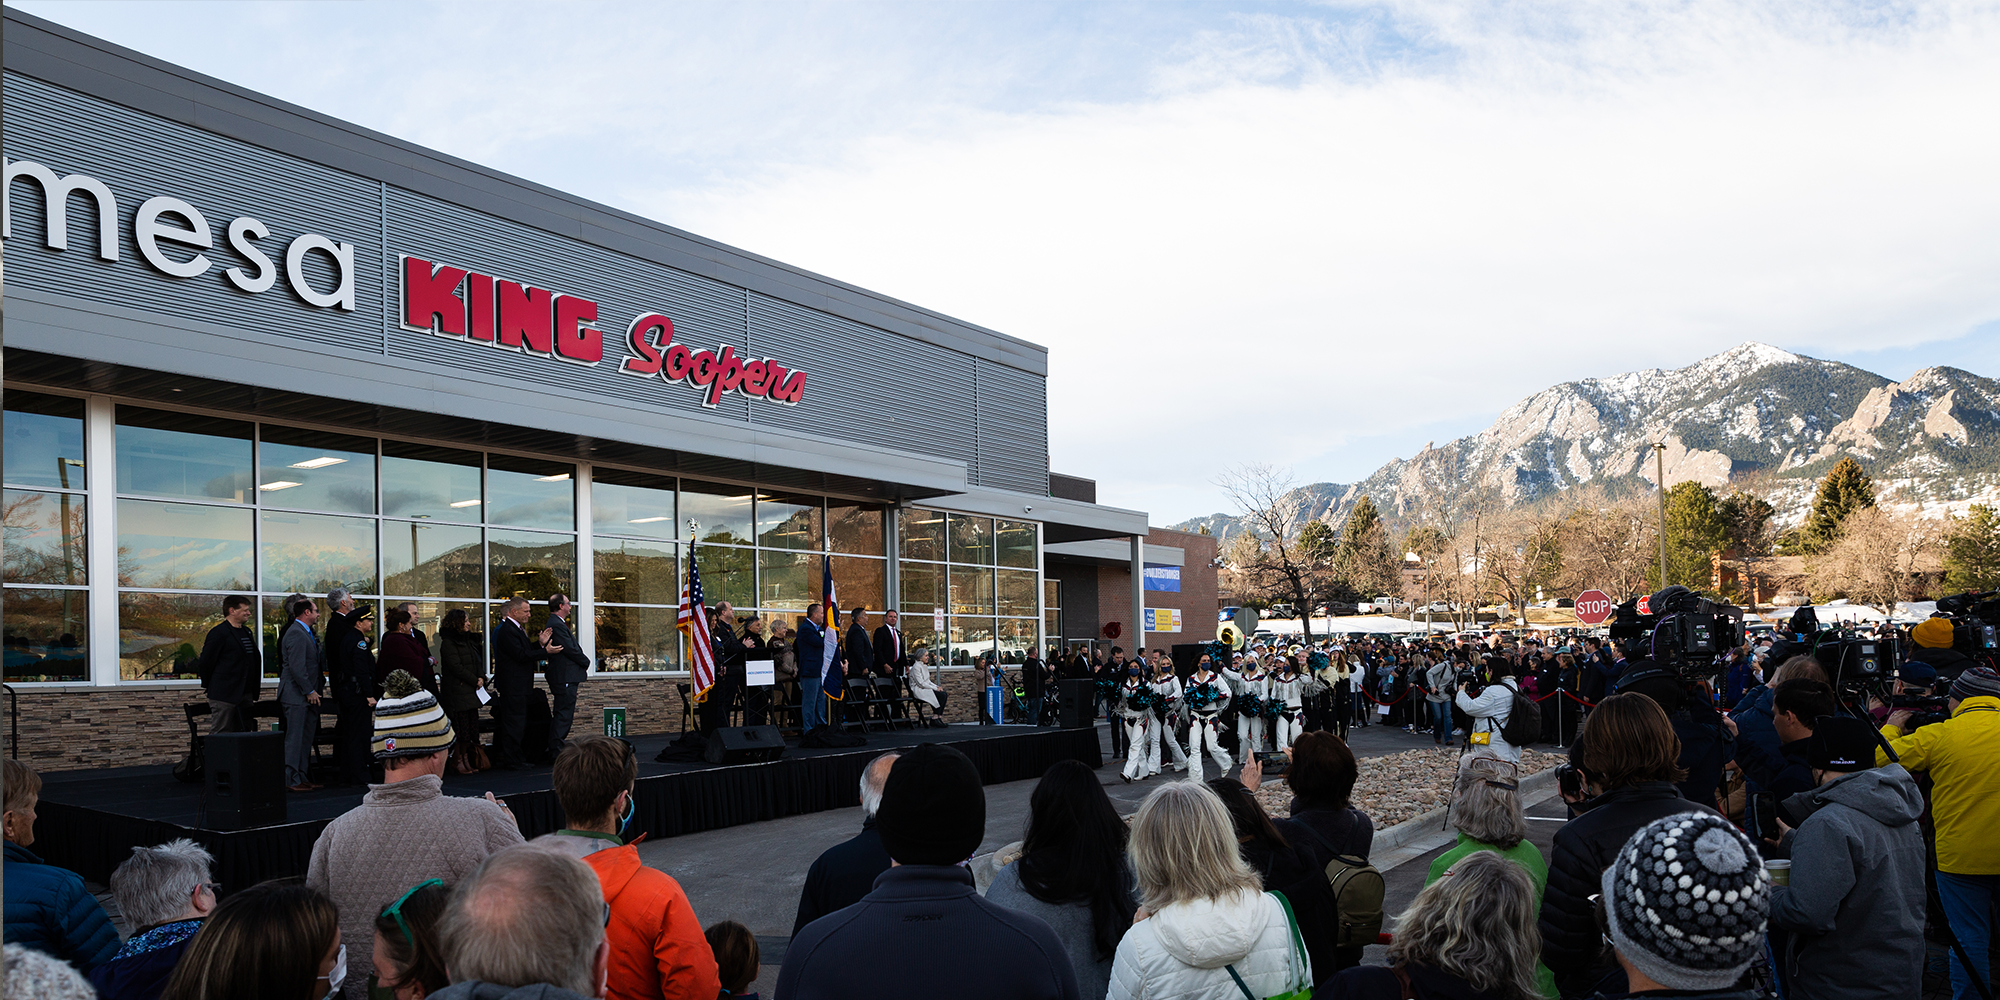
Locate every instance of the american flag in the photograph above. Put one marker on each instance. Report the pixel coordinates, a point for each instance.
(693, 621)
(830, 681)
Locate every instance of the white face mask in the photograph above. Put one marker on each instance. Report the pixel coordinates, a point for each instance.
(339, 973)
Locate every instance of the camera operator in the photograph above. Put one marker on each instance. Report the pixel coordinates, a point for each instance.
(1933, 646)
(1855, 905)
(1914, 679)
(1490, 706)
(1962, 756)
(1754, 714)
(1794, 708)
(1707, 738)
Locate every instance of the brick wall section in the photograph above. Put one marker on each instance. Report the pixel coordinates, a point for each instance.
(75, 728)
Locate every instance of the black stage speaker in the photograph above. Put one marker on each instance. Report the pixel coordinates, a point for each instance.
(1186, 655)
(246, 780)
(744, 745)
(1077, 704)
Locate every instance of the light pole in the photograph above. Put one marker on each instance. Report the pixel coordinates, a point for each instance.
(1660, 479)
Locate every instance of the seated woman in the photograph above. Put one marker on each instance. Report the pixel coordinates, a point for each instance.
(1470, 934)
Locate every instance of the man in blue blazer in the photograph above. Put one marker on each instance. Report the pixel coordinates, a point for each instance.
(814, 638)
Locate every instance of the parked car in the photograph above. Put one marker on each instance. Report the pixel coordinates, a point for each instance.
(1338, 608)
(1228, 614)
(1284, 611)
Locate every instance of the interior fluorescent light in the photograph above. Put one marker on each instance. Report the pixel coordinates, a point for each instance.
(465, 503)
(557, 478)
(281, 484)
(935, 520)
(648, 520)
(318, 463)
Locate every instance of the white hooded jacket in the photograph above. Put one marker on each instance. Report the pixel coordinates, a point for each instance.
(1183, 951)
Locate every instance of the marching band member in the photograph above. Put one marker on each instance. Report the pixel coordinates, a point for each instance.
(1206, 695)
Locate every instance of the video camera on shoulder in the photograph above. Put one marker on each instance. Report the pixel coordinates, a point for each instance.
(1975, 622)
(1681, 630)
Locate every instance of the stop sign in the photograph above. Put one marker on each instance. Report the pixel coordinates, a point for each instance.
(1593, 607)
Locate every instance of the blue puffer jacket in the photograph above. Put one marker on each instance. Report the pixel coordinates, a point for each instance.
(48, 909)
(1754, 726)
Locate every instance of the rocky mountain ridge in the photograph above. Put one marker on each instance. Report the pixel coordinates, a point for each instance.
(1754, 417)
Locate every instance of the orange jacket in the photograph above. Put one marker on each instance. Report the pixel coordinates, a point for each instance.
(658, 951)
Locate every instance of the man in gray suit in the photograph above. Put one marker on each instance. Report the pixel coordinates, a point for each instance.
(300, 679)
(567, 667)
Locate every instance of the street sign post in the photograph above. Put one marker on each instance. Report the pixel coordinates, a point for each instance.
(1593, 607)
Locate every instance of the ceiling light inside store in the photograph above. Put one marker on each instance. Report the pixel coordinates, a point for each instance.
(465, 503)
(318, 463)
(282, 484)
(935, 520)
(648, 520)
(557, 478)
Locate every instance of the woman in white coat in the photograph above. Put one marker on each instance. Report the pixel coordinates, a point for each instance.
(1490, 711)
(1203, 923)
(923, 684)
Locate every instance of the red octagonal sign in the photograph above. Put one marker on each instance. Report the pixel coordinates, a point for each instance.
(1593, 607)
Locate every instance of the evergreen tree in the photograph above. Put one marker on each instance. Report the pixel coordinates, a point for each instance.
(1696, 528)
(1746, 518)
(1845, 490)
(1972, 550)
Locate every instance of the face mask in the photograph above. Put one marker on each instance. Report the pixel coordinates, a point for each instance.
(339, 973)
(631, 810)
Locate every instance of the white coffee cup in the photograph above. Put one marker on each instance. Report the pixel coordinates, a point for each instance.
(1780, 872)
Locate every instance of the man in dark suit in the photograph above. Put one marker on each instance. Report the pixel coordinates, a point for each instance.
(565, 668)
(890, 661)
(515, 654)
(860, 649)
(728, 648)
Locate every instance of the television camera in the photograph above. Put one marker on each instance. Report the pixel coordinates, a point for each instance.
(1680, 631)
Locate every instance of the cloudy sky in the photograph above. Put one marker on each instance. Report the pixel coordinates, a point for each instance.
(1311, 235)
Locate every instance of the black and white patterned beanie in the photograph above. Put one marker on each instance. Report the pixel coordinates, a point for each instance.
(1687, 901)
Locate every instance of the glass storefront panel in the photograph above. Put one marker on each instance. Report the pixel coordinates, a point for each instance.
(160, 635)
(44, 534)
(429, 617)
(971, 539)
(789, 522)
(920, 636)
(432, 484)
(922, 586)
(183, 546)
(1017, 638)
(789, 581)
(1017, 543)
(635, 572)
(727, 574)
(1052, 625)
(854, 529)
(529, 564)
(314, 553)
(44, 441)
(971, 590)
(313, 470)
(921, 534)
(629, 503)
(182, 455)
(971, 637)
(637, 639)
(1016, 591)
(861, 581)
(431, 560)
(530, 494)
(47, 634)
(723, 511)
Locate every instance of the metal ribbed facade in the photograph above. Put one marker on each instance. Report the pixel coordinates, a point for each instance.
(864, 384)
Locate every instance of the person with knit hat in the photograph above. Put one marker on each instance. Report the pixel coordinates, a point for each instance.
(1685, 906)
(406, 829)
(1962, 756)
(1855, 905)
(1933, 641)
(925, 931)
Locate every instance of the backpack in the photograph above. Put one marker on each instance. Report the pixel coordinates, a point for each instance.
(1357, 896)
(1524, 721)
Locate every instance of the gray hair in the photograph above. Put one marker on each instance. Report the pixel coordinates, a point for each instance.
(156, 884)
(337, 595)
(1486, 805)
(874, 778)
(528, 915)
(1477, 922)
(512, 603)
(1183, 848)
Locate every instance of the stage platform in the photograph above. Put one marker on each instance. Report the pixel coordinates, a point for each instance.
(90, 820)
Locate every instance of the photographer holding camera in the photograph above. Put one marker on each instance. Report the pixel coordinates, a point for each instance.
(1490, 706)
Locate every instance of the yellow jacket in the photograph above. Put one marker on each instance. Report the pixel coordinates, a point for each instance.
(1962, 755)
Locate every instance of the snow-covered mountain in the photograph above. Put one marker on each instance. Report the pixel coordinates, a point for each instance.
(1755, 416)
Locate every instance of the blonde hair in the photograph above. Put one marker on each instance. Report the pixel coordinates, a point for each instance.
(1477, 922)
(1483, 810)
(1183, 848)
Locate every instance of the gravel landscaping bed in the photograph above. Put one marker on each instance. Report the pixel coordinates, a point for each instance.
(1399, 786)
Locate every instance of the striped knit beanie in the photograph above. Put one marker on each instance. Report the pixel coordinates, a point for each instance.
(409, 722)
(1687, 901)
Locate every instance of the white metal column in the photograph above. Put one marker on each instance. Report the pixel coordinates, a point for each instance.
(1138, 592)
(584, 620)
(892, 527)
(101, 538)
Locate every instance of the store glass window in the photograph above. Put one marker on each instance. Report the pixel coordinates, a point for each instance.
(724, 512)
(430, 615)
(971, 539)
(920, 635)
(971, 638)
(432, 484)
(971, 590)
(630, 639)
(420, 559)
(314, 553)
(854, 529)
(789, 522)
(183, 456)
(636, 572)
(47, 634)
(861, 581)
(528, 493)
(1016, 590)
(1017, 543)
(923, 587)
(631, 503)
(1016, 639)
(160, 635)
(529, 564)
(789, 580)
(727, 574)
(312, 470)
(922, 534)
(183, 546)
(44, 441)
(44, 537)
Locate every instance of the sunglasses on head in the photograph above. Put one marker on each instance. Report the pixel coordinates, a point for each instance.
(394, 910)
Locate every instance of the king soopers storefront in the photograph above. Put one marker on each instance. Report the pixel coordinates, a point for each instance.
(251, 349)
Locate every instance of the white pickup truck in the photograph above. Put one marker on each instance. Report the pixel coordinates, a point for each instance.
(1383, 606)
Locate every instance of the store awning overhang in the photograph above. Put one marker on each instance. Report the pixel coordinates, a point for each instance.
(1113, 552)
(1062, 520)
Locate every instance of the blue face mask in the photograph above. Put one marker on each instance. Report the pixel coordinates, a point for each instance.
(631, 810)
